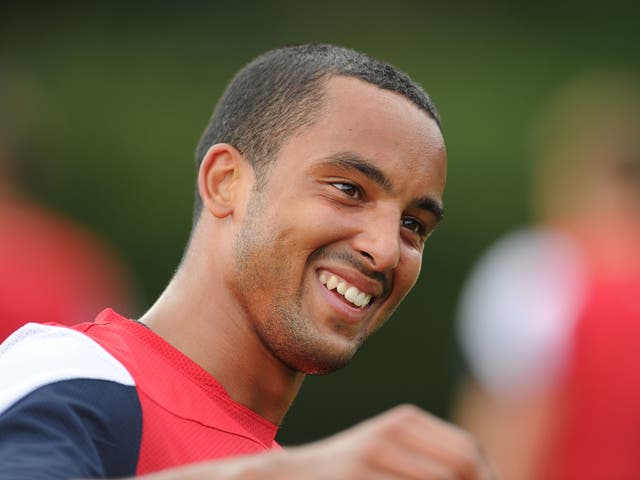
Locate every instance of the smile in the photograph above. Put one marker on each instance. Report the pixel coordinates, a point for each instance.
(351, 293)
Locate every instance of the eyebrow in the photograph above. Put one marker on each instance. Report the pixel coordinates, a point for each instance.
(354, 161)
(431, 205)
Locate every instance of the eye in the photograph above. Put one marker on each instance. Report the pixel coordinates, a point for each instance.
(414, 226)
(348, 189)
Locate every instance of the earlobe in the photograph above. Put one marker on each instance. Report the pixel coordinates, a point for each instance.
(218, 179)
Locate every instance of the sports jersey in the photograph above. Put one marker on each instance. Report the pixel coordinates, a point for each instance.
(539, 314)
(598, 434)
(111, 399)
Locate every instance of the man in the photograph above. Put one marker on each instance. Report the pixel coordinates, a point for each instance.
(320, 176)
(549, 320)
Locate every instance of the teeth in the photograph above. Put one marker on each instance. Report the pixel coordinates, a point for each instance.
(351, 293)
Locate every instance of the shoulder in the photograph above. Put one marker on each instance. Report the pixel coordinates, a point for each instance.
(518, 308)
(37, 355)
(68, 408)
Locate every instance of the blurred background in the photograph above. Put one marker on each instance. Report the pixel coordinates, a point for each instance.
(119, 93)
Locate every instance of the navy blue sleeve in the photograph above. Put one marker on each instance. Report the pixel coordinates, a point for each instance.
(79, 428)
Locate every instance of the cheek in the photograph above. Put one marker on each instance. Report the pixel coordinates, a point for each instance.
(308, 229)
(296, 238)
(406, 275)
(408, 270)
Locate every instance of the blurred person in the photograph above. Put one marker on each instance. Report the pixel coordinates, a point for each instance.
(52, 269)
(320, 177)
(549, 318)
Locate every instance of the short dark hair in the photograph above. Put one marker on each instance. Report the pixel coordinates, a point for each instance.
(280, 92)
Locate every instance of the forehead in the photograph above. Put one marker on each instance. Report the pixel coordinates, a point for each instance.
(379, 125)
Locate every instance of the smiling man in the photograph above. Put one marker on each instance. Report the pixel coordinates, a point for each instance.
(320, 177)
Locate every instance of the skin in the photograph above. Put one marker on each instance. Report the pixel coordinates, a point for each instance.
(355, 194)
(324, 209)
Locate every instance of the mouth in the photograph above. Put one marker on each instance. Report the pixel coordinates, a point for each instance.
(349, 292)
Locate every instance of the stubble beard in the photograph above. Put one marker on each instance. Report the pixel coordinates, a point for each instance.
(283, 327)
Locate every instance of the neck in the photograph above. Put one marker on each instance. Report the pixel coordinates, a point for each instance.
(201, 318)
(612, 247)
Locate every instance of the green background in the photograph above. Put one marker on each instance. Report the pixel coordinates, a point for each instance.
(125, 89)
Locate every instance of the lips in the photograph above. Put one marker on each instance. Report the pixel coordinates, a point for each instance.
(351, 293)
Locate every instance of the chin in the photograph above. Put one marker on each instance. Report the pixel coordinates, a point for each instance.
(316, 368)
(322, 360)
(311, 347)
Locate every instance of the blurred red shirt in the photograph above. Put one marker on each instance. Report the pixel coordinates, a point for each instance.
(53, 270)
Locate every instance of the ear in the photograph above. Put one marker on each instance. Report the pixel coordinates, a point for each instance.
(222, 170)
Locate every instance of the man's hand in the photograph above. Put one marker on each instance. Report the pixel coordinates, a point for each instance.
(402, 443)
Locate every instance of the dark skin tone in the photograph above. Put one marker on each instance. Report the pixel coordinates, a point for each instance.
(353, 196)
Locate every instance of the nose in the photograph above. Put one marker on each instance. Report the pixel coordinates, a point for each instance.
(378, 238)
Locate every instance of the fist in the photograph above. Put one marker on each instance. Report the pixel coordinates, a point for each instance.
(403, 443)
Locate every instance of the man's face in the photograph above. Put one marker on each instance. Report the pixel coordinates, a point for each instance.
(333, 241)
